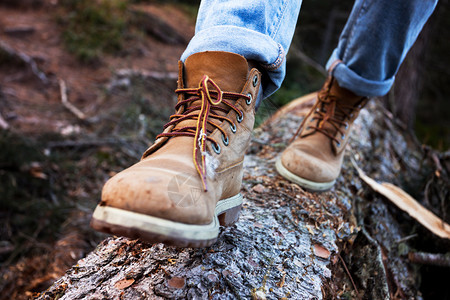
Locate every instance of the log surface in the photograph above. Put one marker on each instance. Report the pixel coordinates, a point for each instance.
(287, 242)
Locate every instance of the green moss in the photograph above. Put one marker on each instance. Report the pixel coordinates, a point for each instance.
(94, 27)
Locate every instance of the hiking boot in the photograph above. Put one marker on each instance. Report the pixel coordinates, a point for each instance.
(314, 159)
(188, 181)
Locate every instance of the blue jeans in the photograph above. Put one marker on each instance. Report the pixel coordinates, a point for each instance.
(373, 44)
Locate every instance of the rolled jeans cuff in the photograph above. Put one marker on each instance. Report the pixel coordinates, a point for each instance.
(251, 44)
(357, 84)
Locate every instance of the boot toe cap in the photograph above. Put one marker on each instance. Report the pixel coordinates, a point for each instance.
(308, 165)
(158, 192)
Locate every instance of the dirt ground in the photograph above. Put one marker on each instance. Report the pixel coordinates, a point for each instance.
(122, 102)
(35, 105)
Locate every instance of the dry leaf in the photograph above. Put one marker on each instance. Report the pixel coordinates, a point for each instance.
(177, 282)
(321, 251)
(408, 204)
(259, 188)
(123, 283)
(36, 170)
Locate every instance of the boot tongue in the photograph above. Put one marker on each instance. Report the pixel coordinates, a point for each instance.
(346, 99)
(227, 70)
(344, 95)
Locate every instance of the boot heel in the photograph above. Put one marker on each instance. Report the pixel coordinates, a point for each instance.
(230, 216)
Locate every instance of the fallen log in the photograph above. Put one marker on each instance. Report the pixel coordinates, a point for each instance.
(288, 242)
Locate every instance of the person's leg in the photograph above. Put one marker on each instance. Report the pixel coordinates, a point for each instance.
(259, 30)
(188, 181)
(373, 44)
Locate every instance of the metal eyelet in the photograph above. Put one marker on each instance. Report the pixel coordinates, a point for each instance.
(343, 136)
(240, 117)
(216, 148)
(346, 125)
(255, 80)
(249, 100)
(225, 141)
(233, 128)
(338, 144)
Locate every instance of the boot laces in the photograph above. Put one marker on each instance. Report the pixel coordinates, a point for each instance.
(209, 109)
(331, 117)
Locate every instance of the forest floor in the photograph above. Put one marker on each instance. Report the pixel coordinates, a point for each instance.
(55, 158)
(68, 125)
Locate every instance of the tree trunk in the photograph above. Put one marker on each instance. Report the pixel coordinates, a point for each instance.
(288, 242)
(402, 99)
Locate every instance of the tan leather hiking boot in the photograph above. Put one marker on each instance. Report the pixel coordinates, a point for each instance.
(314, 159)
(188, 181)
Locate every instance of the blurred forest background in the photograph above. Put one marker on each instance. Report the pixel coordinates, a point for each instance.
(85, 86)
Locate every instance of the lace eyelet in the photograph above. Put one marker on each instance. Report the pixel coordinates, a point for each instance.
(249, 100)
(343, 137)
(338, 144)
(216, 148)
(225, 141)
(346, 125)
(233, 128)
(240, 117)
(255, 80)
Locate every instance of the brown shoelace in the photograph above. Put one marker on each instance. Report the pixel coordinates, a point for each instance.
(325, 111)
(211, 102)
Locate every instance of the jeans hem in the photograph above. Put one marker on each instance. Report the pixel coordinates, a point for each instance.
(229, 38)
(261, 48)
(359, 85)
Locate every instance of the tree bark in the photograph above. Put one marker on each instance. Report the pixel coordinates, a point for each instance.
(288, 242)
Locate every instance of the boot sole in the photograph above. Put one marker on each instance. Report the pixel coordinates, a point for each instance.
(157, 230)
(304, 183)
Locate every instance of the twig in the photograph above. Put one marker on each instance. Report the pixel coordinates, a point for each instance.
(437, 163)
(406, 238)
(146, 74)
(3, 123)
(84, 143)
(435, 259)
(26, 59)
(350, 276)
(123, 77)
(78, 113)
(309, 61)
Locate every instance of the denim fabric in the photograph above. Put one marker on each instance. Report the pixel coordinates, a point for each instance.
(260, 30)
(374, 42)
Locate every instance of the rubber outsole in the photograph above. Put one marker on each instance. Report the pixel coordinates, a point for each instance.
(157, 230)
(305, 183)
